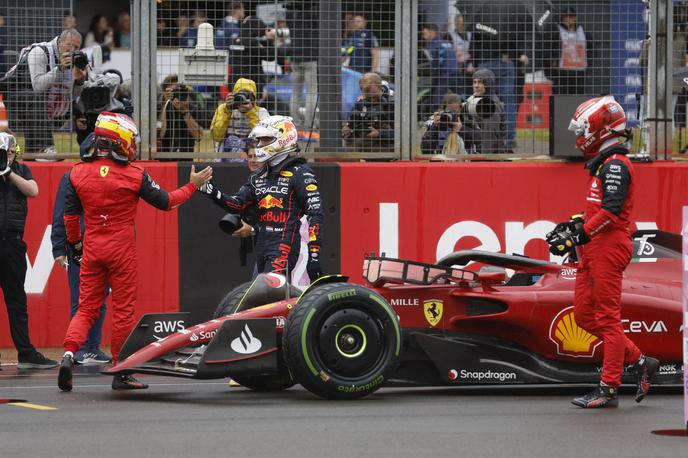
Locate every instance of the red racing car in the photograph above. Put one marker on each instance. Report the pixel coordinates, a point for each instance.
(505, 319)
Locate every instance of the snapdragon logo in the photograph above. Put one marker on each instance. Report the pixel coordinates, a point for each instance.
(246, 343)
(487, 375)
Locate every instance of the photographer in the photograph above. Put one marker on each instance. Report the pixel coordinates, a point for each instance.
(41, 87)
(442, 134)
(234, 119)
(484, 120)
(371, 123)
(93, 94)
(179, 130)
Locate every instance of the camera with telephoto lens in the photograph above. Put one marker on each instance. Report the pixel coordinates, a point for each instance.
(242, 97)
(447, 118)
(478, 108)
(79, 60)
(282, 32)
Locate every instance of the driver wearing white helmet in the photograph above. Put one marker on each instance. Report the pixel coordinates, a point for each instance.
(283, 189)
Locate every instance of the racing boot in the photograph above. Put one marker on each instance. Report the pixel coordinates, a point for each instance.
(64, 376)
(127, 382)
(602, 396)
(645, 370)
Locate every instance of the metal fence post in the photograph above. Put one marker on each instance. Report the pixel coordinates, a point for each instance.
(660, 79)
(144, 75)
(329, 74)
(405, 78)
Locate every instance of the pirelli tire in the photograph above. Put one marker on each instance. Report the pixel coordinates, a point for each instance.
(230, 302)
(277, 382)
(342, 341)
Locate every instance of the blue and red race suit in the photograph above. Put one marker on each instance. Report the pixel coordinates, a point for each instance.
(282, 195)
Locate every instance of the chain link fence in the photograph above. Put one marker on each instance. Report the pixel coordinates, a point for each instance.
(449, 79)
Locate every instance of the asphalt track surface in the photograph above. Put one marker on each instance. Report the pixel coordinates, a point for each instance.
(177, 417)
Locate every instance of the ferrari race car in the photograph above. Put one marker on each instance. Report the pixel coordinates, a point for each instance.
(505, 319)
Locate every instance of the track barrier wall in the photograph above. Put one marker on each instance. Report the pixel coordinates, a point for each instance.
(419, 211)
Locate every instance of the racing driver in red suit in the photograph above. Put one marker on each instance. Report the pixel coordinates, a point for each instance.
(282, 190)
(106, 188)
(600, 125)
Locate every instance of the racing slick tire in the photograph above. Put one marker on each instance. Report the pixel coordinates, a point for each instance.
(277, 382)
(342, 341)
(230, 302)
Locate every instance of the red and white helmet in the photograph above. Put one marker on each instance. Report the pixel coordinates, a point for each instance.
(597, 121)
(116, 136)
(274, 136)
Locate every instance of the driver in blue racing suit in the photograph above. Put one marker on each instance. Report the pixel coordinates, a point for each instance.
(283, 190)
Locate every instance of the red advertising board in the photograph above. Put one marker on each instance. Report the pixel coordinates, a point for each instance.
(425, 211)
(46, 284)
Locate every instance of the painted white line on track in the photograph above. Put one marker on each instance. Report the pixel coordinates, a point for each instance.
(34, 387)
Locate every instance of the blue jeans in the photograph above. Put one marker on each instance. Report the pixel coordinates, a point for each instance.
(95, 334)
(505, 72)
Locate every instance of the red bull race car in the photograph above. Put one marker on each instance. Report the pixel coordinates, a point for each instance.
(503, 320)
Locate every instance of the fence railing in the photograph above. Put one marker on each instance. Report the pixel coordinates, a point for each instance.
(381, 80)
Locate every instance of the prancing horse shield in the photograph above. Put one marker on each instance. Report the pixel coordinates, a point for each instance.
(433, 311)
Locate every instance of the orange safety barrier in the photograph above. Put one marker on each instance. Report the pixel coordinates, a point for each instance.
(533, 112)
(4, 122)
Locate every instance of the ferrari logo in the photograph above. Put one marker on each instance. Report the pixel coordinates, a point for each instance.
(104, 171)
(433, 311)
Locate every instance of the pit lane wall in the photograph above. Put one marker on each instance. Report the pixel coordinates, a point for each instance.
(411, 210)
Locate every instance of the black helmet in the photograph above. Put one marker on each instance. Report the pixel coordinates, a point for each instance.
(230, 223)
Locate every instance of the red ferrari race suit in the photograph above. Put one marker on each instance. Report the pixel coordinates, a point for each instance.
(107, 192)
(597, 303)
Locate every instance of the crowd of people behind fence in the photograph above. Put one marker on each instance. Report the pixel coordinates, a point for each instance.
(483, 69)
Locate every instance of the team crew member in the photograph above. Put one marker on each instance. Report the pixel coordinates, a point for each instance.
(16, 184)
(599, 124)
(106, 188)
(283, 190)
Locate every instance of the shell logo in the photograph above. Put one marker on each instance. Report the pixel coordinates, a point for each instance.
(571, 339)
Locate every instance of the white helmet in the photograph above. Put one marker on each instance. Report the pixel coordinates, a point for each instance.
(275, 137)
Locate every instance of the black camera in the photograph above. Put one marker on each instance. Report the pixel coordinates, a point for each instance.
(365, 121)
(95, 98)
(242, 97)
(180, 92)
(447, 118)
(79, 60)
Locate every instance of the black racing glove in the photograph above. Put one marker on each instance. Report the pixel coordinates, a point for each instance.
(77, 252)
(313, 267)
(561, 243)
(211, 190)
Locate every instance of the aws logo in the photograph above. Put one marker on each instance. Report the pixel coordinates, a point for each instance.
(571, 339)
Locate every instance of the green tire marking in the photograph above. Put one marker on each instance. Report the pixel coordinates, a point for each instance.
(394, 320)
(363, 347)
(304, 350)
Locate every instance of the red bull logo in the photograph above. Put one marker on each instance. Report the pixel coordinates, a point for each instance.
(270, 202)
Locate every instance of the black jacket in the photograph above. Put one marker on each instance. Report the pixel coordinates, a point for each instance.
(13, 205)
